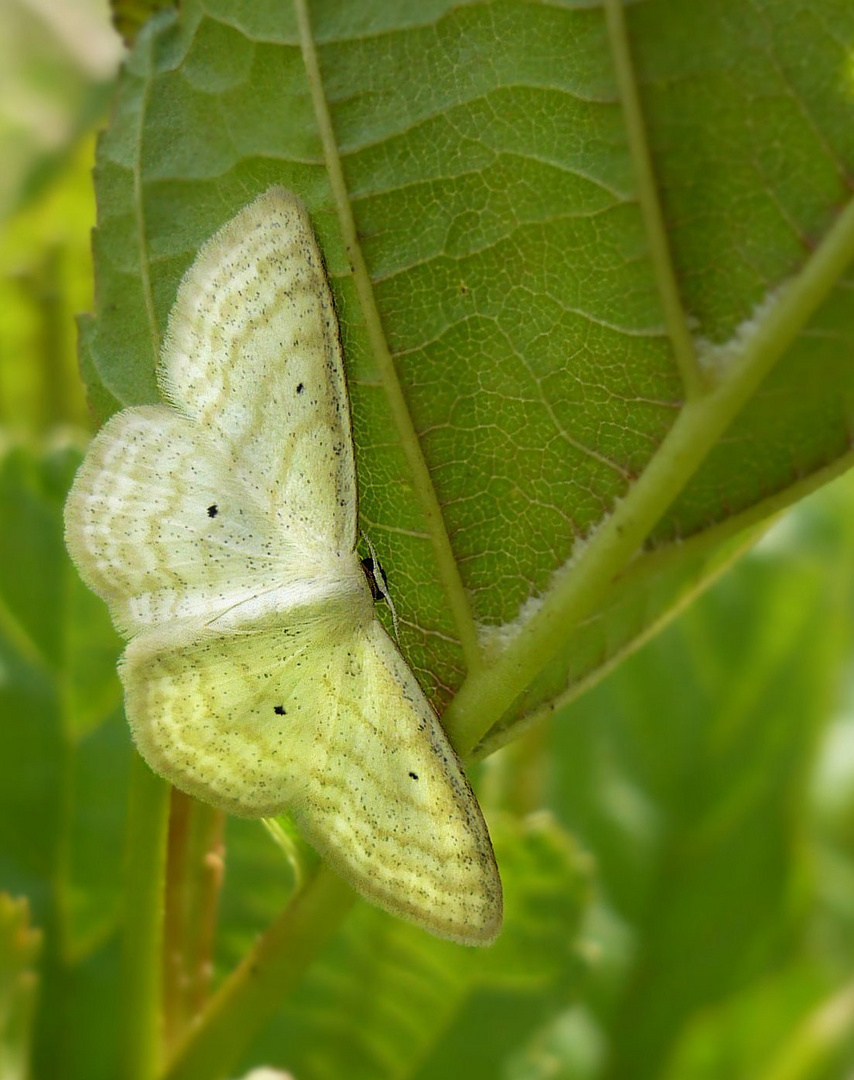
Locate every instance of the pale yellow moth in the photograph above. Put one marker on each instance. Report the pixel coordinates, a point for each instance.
(221, 530)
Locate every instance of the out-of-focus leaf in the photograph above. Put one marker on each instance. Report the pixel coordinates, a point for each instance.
(267, 1074)
(62, 773)
(569, 1045)
(45, 280)
(686, 773)
(56, 67)
(388, 1000)
(792, 1027)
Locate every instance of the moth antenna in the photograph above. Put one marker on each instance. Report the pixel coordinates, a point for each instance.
(393, 611)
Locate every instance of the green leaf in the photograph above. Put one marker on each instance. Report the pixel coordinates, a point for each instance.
(591, 282)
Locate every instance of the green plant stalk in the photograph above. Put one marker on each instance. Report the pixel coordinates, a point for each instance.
(745, 526)
(20, 945)
(758, 513)
(486, 694)
(145, 871)
(250, 998)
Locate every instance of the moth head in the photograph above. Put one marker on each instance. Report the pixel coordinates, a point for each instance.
(376, 578)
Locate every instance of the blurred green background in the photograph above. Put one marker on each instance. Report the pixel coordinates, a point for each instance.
(688, 909)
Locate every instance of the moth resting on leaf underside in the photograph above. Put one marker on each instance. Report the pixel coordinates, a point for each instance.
(221, 529)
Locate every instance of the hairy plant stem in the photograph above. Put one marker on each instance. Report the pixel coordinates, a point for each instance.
(193, 881)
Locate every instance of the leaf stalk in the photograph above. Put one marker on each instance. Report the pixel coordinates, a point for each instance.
(487, 694)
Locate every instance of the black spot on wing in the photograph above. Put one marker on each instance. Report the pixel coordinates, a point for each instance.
(213, 510)
(279, 710)
(300, 388)
(414, 775)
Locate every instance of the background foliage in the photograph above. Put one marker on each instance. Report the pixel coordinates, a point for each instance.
(676, 842)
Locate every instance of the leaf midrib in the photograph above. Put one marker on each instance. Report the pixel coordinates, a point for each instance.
(422, 482)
